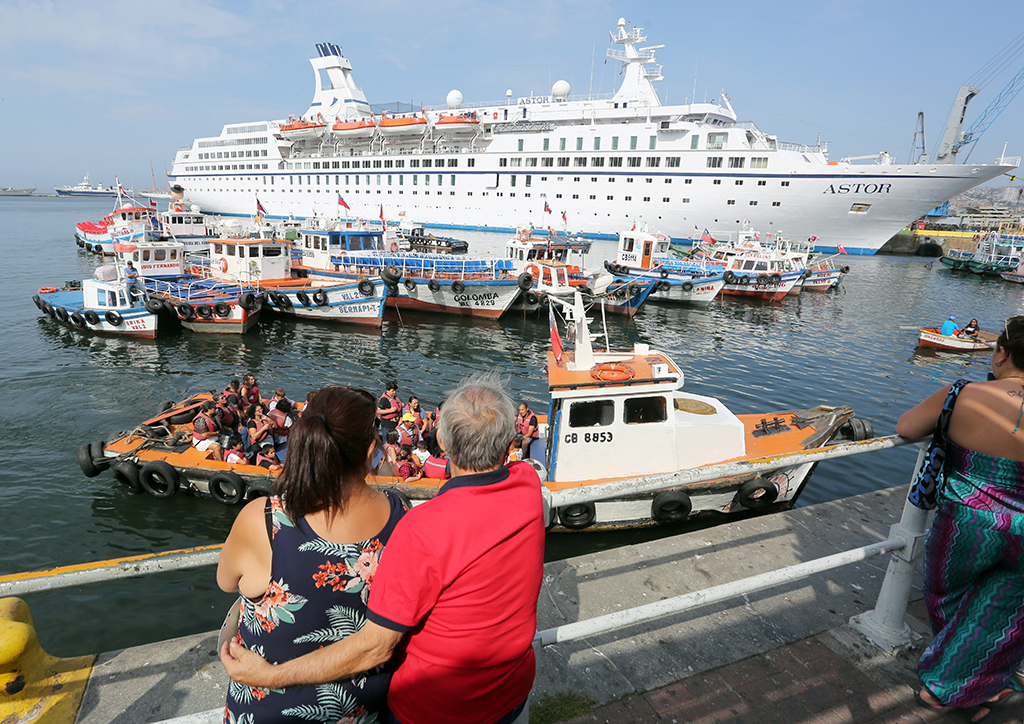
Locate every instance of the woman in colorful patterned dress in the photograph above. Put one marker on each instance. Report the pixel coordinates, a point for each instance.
(974, 555)
(303, 562)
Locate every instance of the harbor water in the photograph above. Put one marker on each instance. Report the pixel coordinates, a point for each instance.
(64, 388)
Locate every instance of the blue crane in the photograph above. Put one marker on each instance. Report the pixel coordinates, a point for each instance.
(972, 134)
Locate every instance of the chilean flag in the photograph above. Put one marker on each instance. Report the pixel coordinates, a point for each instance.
(382, 215)
(706, 236)
(842, 250)
(546, 207)
(564, 220)
(341, 202)
(556, 339)
(260, 211)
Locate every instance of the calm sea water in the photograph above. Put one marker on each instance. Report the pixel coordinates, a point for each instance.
(64, 388)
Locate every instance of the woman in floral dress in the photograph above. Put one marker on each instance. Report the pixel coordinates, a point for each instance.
(303, 562)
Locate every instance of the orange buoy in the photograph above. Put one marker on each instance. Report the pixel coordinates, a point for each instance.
(223, 265)
(394, 246)
(612, 372)
(47, 290)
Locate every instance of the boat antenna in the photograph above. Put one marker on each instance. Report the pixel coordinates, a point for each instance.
(593, 53)
(694, 96)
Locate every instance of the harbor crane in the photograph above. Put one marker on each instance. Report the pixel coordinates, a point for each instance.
(953, 141)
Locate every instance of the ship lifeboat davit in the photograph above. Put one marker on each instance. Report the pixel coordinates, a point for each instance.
(353, 129)
(408, 126)
(464, 123)
(297, 130)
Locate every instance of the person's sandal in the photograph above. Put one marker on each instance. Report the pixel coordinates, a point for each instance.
(925, 703)
(999, 700)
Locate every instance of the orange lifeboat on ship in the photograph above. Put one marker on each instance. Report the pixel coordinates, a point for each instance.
(354, 129)
(403, 126)
(458, 124)
(296, 130)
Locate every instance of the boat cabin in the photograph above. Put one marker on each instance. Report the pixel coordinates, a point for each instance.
(319, 246)
(623, 414)
(526, 247)
(642, 249)
(250, 260)
(153, 259)
(180, 223)
(106, 290)
(132, 223)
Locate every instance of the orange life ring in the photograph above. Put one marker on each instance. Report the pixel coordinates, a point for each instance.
(47, 290)
(394, 246)
(977, 236)
(224, 265)
(612, 372)
(534, 271)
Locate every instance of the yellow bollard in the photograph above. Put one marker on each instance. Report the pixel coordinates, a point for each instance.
(34, 686)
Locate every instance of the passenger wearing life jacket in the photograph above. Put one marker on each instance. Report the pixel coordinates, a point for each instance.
(421, 453)
(515, 450)
(250, 390)
(389, 407)
(206, 430)
(408, 433)
(227, 414)
(416, 410)
(235, 453)
(278, 397)
(526, 425)
(280, 421)
(258, 427)
(437, 465)
(233, 393)
(407, 469)
(267, 458)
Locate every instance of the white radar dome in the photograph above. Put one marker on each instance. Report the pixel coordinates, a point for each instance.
(454, 100)
(560, 90)
(622, 22)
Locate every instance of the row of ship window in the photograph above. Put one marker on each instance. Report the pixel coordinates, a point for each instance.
(296, 180)
(714, 142)
(229, 167)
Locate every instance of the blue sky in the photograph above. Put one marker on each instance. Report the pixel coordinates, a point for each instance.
(112, 87)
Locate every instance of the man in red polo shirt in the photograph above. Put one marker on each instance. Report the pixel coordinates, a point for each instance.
(454, 598)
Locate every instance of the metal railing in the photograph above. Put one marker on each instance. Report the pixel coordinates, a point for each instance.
(884, 626)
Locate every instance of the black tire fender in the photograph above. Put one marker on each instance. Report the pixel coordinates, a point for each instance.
(62, 314)
(776, 278)
(227, 488)
(525, 281)
(365, 287)
(392, 290)
(205, 311)
(687, 286)
(303, 298)
(98, 458)
(113, 318)
(185, 311)
(282, 301)
(391, 274)
(85, 461)
(164, 406)
(671, 506)
(259, 489)
(845, 270)
(37, 301)
(320, 297)
(579, 515)
(532, 298)
(434, 286)
(458, 287)
(664, 286)
(410, 284)
(247, 301)
(730, 277)
(153, 306)
(77, 319)
(48, 310)
(664, 273)
(91, 317)
(634, 290)
(222, 309)
(184, 417)
(745, 280)
(757, 493)
(159, 479)
(127, 473)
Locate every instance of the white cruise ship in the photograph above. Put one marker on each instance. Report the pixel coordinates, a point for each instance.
(591, 165)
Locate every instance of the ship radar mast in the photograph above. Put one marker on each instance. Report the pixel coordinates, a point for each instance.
(336, 95)
(639, 66)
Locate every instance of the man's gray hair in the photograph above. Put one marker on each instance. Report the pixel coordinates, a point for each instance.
(478, 423)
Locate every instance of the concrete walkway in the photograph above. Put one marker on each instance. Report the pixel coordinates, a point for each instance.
(779, 655)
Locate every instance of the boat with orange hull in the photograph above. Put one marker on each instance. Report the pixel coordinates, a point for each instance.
(614, 416)
(300, 129)
(402, 126)
(354, 129)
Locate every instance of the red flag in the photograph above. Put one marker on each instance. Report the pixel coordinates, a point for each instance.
(125, 248)
(260, 211)
(706, 236)
(341, 202)
(152, 202)
(120, 188)
(842, 250)
(546, 207)
(382, 215)
(564, 220)
(634, 227)
(556, 339)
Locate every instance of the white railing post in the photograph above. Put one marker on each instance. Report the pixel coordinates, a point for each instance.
(885, 625)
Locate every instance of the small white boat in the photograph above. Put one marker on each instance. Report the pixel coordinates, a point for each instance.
(932, 339)
(300, 129)
(102, 304)
(82, 188)
(647, 255)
